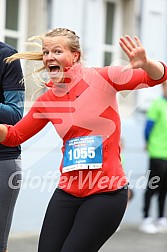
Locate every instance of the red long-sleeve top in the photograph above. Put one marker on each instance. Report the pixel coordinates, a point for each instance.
(84, 113)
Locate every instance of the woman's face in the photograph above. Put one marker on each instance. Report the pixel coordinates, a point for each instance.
(57, 56)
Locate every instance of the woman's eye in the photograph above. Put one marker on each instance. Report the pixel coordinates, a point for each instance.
(57, 51)
(45, 53)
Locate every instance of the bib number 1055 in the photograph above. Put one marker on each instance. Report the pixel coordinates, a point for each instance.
(83, 152)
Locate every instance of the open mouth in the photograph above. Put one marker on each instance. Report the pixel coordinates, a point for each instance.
(55, 71)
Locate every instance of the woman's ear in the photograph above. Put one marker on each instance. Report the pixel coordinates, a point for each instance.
(76, 57)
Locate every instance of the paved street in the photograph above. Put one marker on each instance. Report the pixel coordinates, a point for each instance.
(128, 239)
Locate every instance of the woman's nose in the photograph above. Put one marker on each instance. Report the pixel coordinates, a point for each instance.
(51, 56)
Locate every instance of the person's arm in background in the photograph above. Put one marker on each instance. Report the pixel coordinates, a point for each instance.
(151, 118)
(11, 111)
(12, 88)
(148, 128)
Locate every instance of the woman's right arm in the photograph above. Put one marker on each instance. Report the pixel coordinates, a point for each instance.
(27, 127)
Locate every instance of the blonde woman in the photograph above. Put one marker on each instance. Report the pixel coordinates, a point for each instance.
(91, 198)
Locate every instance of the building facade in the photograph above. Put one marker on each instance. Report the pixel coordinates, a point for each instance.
(99, 23)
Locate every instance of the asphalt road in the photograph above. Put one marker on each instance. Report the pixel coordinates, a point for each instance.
(128, 239)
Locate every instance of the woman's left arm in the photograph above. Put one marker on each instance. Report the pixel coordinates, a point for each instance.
(154, 69)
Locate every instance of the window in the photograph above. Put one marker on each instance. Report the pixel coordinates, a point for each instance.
(12, 14)
(113, 25)
(11, 41)
(110, 12)
(13, 22)
(109, 33)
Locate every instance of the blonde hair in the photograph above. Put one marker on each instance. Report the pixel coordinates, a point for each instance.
(72, 41)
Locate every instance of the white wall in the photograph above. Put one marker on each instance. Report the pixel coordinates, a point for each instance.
(82, 16)
(154, 38)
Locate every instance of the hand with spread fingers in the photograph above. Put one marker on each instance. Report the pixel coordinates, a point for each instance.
(134, 50)
(138, 57)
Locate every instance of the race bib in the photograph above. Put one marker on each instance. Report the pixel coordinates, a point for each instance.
(83, 153)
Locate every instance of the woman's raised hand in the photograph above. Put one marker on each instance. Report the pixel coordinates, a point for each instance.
(135, 52)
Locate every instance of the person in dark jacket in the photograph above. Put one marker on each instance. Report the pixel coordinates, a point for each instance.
(11, 111)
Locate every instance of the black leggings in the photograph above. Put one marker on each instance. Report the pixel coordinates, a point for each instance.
(75, 224)
(158, 169)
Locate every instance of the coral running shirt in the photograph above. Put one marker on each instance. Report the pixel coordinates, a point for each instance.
(84, 112)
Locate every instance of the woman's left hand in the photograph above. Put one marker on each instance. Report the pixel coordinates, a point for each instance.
(135, 52)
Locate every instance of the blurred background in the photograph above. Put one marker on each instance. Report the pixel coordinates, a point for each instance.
(99, 24)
